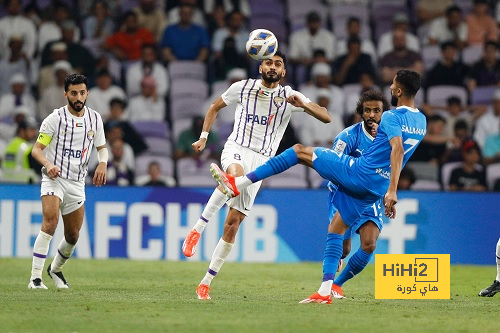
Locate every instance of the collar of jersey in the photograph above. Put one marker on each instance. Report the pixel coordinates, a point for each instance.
(368, 135)
(261, 86)
(409, 108)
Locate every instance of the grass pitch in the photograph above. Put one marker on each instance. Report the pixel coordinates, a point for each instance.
(158, 296)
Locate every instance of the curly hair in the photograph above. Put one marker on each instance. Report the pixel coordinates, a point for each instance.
(372, 95)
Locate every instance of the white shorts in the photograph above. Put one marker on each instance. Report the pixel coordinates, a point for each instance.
(233, 153)
(71, 192)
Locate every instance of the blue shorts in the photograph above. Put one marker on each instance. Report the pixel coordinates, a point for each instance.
(352, 197)
(372, 213)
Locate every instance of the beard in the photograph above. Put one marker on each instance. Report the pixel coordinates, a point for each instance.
(394, 100)
(271, 79)
(77, 106)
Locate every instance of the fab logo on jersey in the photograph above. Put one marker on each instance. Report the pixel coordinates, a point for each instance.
(261, 120)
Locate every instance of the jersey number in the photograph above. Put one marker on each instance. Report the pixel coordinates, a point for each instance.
(412, 143)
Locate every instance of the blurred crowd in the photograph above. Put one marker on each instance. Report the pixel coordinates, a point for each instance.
(154, 67)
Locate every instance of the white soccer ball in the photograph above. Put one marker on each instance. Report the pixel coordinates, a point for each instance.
(262, 44)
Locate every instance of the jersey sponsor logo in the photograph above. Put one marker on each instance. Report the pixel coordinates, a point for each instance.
(90, 135)
(74, 153)
(278, 101)
(261, 120)
(384, 174)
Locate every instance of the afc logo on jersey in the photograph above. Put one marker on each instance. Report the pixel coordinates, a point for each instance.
(74, 153)
(261, 120)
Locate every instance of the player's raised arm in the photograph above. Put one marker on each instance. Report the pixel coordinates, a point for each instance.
(214, 108)
(311, 108)
(397, 154)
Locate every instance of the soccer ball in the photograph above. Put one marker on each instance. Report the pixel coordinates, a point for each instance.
(262, 44)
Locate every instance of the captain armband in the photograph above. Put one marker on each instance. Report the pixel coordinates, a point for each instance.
(44, 139)
(102, 155)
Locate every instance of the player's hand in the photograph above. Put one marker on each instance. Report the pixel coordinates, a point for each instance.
(374, 129)
(53, 171)
(295, 101)
(390, 200)
(100, 175)
(199, 145)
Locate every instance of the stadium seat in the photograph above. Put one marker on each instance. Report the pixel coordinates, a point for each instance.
(194, 173)
(430, 55)
(492, 174)
(158, 146)
(340, 13)
(471, 54)
(482, 95)
(295, 177)
(179, 125)
(157, 129)
(424, 170)
(425, 185)
(437, 95)
(187, 97)
(383, 12)
(297, 13)
(184, 69)
(277, 26)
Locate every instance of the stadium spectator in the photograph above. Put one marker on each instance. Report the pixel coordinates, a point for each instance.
(147, 66)
(52, 98)
(318, 134)
(480, 24)
(98, 25)
(18, 166)
(14, 23)
(448, 70)
(216, 19)
(16, 63)
(103, 93)
(486, 71)
(151, 17)
(19, 95)
(349, 68)
(174, 14)
(228, 45)
(304, 42)
(125, 44)
(400, 57)
(428, 11)
(491, 149)
(185, 40)
(406, 178)
(400, 23)
(353, 28)
(79, 56)
(242, 6)
(51, 29)
(118, 118)
(467, 177)
(433, 147)
(489, 123)
(147, 105)
(463, 133)
(118, 171)
(452, 27)
(58, 52)
(184, 143)
(156, 178)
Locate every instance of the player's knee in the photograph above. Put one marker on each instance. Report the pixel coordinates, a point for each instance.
(368, 246)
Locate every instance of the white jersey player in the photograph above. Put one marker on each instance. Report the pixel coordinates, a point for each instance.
(263, 111)
(63, 147)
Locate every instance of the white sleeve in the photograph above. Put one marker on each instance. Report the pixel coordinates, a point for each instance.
(48, 125)
(232, 94)
(301, 96)
(100, 139)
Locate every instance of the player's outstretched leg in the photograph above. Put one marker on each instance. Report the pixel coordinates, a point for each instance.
(233, 185)
(220, 254)
(354, 266)
(40, 250)
(214, 204)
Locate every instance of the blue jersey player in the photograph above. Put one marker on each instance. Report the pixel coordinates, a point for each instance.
(353, 141)
(361, 181)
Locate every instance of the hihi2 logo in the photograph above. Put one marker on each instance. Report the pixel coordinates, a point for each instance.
(412, 276)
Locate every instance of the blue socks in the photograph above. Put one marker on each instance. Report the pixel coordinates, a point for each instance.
(354, 266)
(333, 252)
(275, 165)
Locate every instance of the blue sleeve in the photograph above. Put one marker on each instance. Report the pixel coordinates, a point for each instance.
(205, 40)
(166, 40)
(390, 125)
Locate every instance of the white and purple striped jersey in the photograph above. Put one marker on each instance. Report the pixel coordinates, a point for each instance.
(262, 114)
(71, 140)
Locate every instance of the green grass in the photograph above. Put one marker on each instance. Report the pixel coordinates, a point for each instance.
(158, 296)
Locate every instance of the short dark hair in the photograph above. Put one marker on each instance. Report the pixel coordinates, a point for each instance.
(452, 9)
(454, 100)
(117, 100)
(353, 19)
(490, 43)
(436, 117)
(372, 95)
(461, 124)
(409, 80)
(353, 40)
(282, 56)
(74, 79)
(447, 44)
